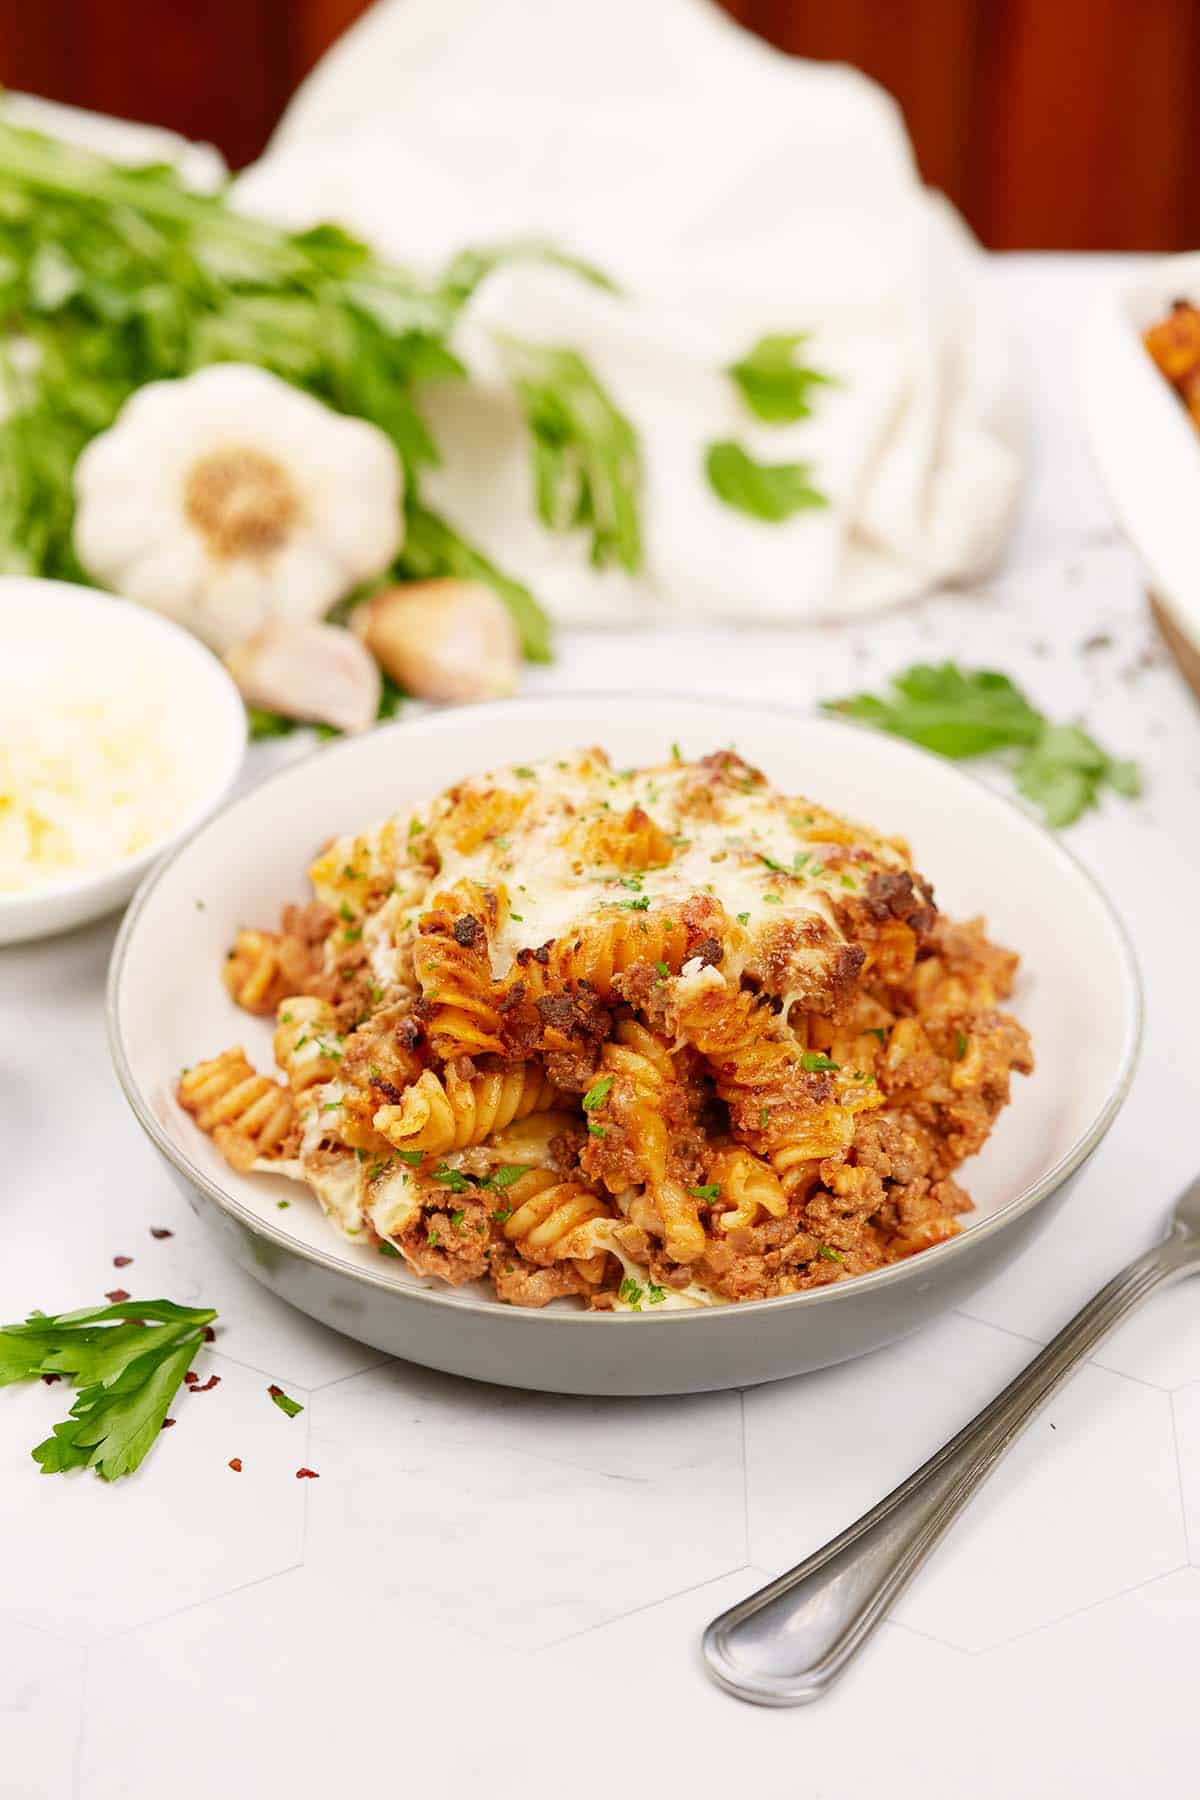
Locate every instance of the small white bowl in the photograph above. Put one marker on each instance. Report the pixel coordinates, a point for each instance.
(52, 627)
(1146, 447)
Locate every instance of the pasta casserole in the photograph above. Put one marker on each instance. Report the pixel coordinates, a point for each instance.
(651, 1038)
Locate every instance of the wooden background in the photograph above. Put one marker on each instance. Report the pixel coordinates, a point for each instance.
(1053, 124)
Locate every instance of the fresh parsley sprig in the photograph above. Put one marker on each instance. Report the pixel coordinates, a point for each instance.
(768, 491)
(775, 386)
(127, 1362)
(962, 713)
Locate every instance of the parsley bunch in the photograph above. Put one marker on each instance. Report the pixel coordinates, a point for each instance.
(127, 1362)
(961, 713)
(113, 277)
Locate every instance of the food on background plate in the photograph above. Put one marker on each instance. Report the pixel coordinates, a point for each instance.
(1174, 344)
(650, 1038)
(91, 773)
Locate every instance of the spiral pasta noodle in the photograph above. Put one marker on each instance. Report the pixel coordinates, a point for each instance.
(749, 1188)
(248, 1116)
(306, 1043)
(439, 1114)
(547, 1212)
(252, 972)
(452, 965)
(641, 1067)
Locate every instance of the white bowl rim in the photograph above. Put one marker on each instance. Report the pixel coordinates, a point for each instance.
(837, 1292)
(214, 672)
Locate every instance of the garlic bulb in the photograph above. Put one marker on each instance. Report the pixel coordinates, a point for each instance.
(230, 499)
(309, 672)
(443, 640)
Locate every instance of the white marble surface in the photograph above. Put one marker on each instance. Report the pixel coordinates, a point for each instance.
(492, 1591)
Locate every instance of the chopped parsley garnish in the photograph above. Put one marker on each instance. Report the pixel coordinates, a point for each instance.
(350, 872)
(815, 1062)
(345, 911)
(778, 867)
(847, 881)
(387, 1250)
(433, 1240)
(799, 860)
(127, 1361)
(772, 900)
(597, 1094)
(525, 773)
(768, 491)
(518, 918)
(664, 969)
(595, 1130)
(456, 1219)
(411, 1157)
(641, 904)
(454, 1179)
(711, 1192)
(352, 934)
(284, 1402)
(960, 1046)
(415, 828)
(630, 1291)
(655, 1295)
(877, 1031)
(774, 385)
(506, 1174)
(632, 881)
(283, 1205)
(743, 918)
(828, 1254)
(502, 1214)
(764, 1118)
(676, 753)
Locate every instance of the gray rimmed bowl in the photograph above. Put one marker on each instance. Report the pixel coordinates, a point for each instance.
(167, 1008)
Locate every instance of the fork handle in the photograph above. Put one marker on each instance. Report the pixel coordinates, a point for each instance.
(790, 1641)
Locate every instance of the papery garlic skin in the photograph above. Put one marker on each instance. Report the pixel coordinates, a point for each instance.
(309, 671)
(446, 639)
(230, 499)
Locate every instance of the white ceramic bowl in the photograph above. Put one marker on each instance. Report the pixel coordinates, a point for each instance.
(49, 627)
(1078, 994)
(1145, 445)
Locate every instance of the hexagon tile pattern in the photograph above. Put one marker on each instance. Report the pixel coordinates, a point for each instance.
(542, 1502)
(160, 1544)
(1090, 1494)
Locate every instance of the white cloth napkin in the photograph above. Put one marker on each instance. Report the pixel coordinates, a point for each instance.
(731, 192)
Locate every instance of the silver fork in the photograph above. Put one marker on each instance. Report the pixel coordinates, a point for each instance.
(791, 1640)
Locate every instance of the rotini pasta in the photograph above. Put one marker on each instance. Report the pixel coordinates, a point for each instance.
(635, 1038)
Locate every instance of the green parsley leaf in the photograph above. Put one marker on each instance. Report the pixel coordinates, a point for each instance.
(768, 491)
(676, 753)
(345, 911)
(877, 1031)
(386, 1249)
(631, 1292)
(127, 1361)
(631, 881)
(506, 1174)
(284, 1402)
(597, 1094)
(525, 773)
(967, 712)
(595, 1130)
(456, 1219)
(433, 1240)
(641, 904)
(586, 457)
(453, 1179)
(655, 1295)
(827, 1254)
(664, 969)
(743, 918)
(816, 1063)
(960, 1045)
(773, 384)
(711, 1192)
(799, 860)
(772, 900)
(412, 1157)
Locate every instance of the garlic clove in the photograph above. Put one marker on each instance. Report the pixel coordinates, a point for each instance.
(446, 639)
(308, 671)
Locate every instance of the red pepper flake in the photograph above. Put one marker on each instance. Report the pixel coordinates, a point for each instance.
(116, 1295)
(51, 1379)
(203, 1388)
(122, 1262)
(160, 1231)
(235, 1463)
(167, 1424)
(191, 1378)
(274, 1389)
(209, 1334)
(307, 1475)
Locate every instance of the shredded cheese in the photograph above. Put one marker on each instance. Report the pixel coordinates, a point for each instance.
(89, 776)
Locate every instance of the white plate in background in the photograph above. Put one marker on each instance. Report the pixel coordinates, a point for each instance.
(1145, 443)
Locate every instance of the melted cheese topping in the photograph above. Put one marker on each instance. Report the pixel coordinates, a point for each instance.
(560, 832)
